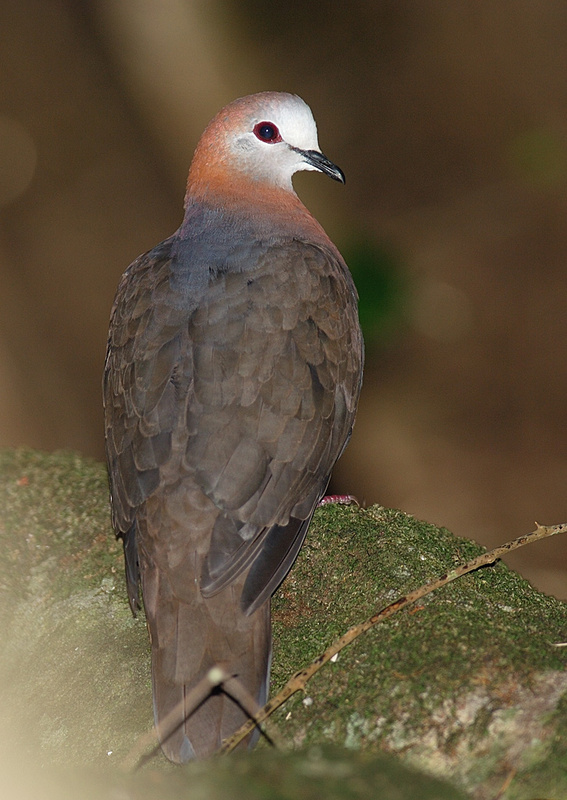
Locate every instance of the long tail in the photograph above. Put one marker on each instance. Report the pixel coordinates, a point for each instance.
(188, 639)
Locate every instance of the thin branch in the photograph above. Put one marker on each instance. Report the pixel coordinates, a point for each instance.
(506, 785)
(298, 681)
(214, 677)
(235, 689)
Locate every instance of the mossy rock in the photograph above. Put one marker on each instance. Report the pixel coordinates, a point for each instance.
(467, 685)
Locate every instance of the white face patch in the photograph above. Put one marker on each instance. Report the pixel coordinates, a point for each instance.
(275, 161)
(296, 125)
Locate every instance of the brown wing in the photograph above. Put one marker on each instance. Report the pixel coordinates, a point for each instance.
(278, 361)
(263, 376)
(140, 392)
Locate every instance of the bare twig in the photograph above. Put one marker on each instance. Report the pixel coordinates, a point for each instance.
(506, 785)
(298, 681)
(215, 677)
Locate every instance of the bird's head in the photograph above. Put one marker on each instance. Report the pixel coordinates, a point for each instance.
(262, 138)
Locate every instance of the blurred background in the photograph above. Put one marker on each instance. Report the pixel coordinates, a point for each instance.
(450, 122)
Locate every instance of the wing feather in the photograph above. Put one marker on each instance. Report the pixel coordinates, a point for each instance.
(249, 390)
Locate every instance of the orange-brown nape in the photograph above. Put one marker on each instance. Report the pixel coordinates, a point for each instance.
(250, 173)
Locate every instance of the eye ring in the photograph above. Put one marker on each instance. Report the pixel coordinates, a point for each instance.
(267, 132)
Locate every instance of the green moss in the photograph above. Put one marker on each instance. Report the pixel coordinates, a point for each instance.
(459, 656)
(465, 684)
(356, 561)
(70, 644)
(319, 772)
(54, 508)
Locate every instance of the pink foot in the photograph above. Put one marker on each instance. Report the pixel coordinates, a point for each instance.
(342, 499)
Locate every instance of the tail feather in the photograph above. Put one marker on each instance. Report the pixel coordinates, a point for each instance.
(187, 641)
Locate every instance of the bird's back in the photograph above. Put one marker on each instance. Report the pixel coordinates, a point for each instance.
(232, 375)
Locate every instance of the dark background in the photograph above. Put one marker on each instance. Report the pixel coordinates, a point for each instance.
(450, 121)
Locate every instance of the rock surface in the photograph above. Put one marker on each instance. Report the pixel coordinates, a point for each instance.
(468, 685)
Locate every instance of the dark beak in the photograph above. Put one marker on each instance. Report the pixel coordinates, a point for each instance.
(322, 163)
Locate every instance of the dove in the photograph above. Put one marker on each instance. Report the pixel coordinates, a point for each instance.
(232, 376)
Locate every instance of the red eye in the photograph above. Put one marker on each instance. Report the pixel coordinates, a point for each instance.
(267, 132)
